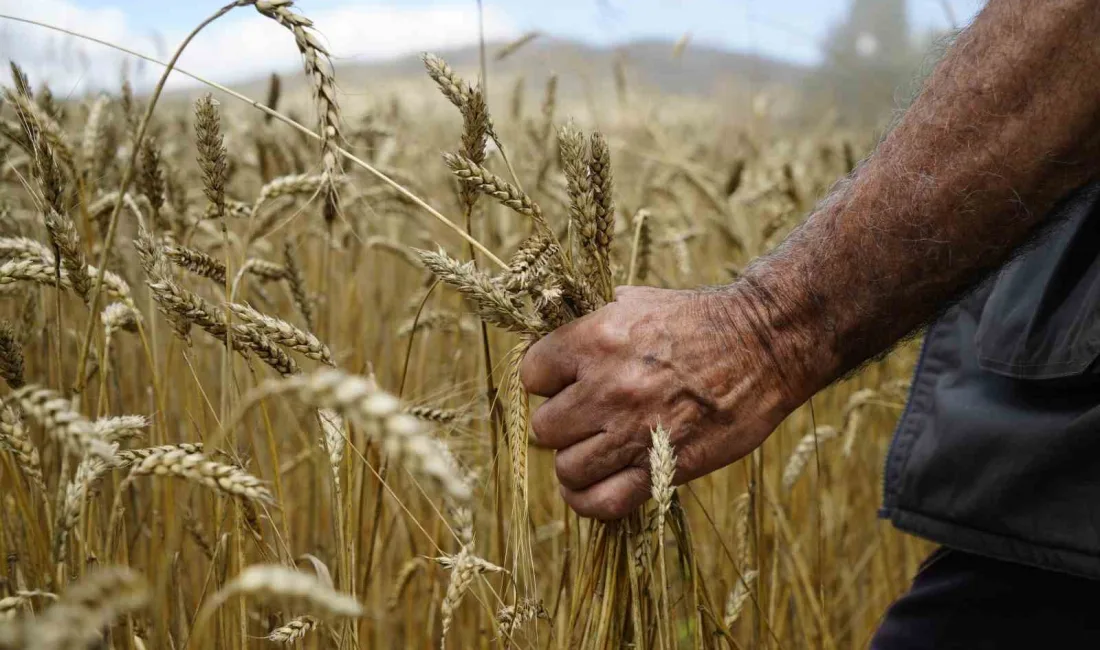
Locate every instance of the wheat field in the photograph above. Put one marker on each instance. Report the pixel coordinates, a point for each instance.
(261, 374)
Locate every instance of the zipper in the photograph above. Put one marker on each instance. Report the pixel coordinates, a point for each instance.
(886, 511)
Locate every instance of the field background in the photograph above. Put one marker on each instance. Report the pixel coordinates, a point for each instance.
(724, 153)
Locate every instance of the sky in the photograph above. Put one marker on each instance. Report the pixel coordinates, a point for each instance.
(244, 45)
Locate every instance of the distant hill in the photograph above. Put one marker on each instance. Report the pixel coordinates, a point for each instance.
(584, 71)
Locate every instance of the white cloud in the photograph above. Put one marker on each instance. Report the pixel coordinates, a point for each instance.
(238, 46)
(68, 64)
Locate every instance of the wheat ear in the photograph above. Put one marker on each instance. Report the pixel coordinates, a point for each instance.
(293, 630)
(194, 467)
(84, 610)
(11, 356)
(197, 262)
(803, 452)
(496, 187)
(66, 240)
(737, 598)
(279, 583)
(511, 617)
(494, 304)
(463, 572)
(404, 577)
(319, 70)
(296, 281)
(62, 422)
(14, 437)
(380, 416)
(662, 468)
(283, 333)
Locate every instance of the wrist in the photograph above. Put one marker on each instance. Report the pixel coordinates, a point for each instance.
(778, 331)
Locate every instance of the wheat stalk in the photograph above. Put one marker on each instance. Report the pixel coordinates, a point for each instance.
(599, 165)
(265, 270)
(117, 316)
(292, 185)
(212, 153)
(662, 468)
(852, 417)
(293, 630)
(435, 414)
(44, 124)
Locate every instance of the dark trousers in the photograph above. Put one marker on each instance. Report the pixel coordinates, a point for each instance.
(965, 601)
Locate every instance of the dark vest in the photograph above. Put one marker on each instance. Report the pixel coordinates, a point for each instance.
(998, 450)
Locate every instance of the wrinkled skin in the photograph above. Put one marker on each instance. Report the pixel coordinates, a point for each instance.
(652, 355)
(1005, 126)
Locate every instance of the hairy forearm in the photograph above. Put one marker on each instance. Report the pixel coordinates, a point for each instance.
(1006, 125)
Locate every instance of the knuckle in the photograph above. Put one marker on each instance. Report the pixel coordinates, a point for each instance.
(528, 369)
(573, 501)
(609, 336)
(542, 424)
(615, 506)
(625, 390)
(624, 291)
(565, 467)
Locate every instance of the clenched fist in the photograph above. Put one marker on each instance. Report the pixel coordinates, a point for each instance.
(698, 362)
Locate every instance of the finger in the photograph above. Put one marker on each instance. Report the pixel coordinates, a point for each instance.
(551, 363)
(566, 418)
(612, 498)
(592, 460)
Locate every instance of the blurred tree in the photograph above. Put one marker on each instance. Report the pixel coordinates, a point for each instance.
(870, 62)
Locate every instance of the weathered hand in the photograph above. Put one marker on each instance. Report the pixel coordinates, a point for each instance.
(692, 360)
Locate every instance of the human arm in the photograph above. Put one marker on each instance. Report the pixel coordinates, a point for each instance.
(1005, 126)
